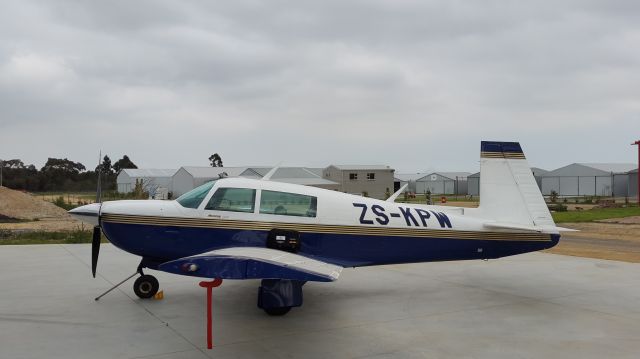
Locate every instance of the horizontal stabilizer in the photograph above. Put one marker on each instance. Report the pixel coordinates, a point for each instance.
(398, 193)
(539, 229)
(253, 263)
(564, 229)
(496, 225)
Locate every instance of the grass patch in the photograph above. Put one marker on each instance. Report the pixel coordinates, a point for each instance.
(42, 237)
(595, 214)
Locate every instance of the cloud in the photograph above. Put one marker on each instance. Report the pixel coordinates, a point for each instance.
(411, 84)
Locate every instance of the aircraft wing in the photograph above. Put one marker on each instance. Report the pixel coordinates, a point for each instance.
(253, 263)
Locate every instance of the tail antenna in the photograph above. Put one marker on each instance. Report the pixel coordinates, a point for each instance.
(269, 174)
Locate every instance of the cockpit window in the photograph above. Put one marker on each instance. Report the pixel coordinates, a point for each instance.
(288, 204)
(193, 198)
(233, 200)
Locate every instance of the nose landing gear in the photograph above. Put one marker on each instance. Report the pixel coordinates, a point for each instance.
(146, 286)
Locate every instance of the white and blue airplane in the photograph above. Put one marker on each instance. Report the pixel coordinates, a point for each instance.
(286, 234)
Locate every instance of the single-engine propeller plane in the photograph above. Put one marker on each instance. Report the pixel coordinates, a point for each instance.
(286, 234)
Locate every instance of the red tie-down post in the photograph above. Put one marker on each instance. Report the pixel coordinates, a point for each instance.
(210, 285)
(637, 143)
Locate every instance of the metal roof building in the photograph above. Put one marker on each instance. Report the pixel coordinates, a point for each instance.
(400, 179)
(370, 180)
(302, 176)
(473, 184)
(190, 177)
(588, 179)
(152, 179)
(443, 183)
(633, 183)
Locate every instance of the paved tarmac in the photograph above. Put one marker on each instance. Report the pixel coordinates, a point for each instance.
(529, 306)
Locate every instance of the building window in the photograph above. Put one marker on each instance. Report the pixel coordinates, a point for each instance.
(233, 200)
(353, 176)
(371, 176)
(288, 204)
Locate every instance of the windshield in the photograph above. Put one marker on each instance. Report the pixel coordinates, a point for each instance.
(193, 198)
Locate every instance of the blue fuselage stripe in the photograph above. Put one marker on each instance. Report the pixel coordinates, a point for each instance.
(164, 243)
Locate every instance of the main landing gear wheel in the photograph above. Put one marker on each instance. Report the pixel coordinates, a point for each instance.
(279, 311)
(146, 286)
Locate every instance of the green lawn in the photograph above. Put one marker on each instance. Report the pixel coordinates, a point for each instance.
(595, 214)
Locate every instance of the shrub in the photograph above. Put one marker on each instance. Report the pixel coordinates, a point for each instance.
(62, 204)
(558, 208)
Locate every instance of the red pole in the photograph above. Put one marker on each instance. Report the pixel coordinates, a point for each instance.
(637, 143)
(210, 285)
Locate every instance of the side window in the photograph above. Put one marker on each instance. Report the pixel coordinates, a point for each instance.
(233, 200)
(288, 204)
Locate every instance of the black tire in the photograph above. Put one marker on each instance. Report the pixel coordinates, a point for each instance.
(277, 311)
(146, 286)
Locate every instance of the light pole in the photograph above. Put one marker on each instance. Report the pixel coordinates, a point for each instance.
(1, 166)
(637, 143)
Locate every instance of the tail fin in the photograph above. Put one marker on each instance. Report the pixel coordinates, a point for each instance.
(509, 194)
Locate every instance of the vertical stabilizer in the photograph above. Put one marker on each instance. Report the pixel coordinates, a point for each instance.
(508, 190)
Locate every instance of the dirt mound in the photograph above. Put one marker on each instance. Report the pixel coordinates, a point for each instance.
(16, 204)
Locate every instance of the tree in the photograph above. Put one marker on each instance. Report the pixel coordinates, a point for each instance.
(105, 166)
(15, 163)
(63, 165)
(216, 160)
(59, 174)
(123, 163)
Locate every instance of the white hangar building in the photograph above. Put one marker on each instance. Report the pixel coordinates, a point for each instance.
(400, 179)
(443, 183)
(473, 184)
(588, 179)
(187, 178)
(633, 183)
(190, 177)
(151, 178)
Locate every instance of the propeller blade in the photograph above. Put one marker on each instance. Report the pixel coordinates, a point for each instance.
(95, 249)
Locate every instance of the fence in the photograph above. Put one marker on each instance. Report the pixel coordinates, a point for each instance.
(614, 185)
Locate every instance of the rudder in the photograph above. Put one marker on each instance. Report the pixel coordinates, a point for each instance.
(508, 190)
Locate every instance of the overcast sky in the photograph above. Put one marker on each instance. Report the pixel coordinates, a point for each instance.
(411, 84)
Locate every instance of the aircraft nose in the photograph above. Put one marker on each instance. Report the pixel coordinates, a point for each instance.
(88, 213)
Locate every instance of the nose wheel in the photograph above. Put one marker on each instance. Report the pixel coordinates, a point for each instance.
(146, 286)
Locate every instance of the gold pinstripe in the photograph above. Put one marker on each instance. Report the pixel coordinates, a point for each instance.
(510, 155)
(322, 228)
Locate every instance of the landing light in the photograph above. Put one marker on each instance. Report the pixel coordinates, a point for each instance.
(189, 267)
